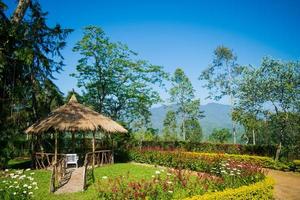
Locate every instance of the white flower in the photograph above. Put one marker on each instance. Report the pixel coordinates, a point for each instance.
(28, 169)
(170, 191)
(6, 170)
(22, 177)
(152, 176)
(169, 174)
(169, 182)
(24, 192)
(30, 193)
(19, 172)
(29, 187)
(14, 193)
(104, 177)
(36, 188)
(34, 183)
(157, 172)
(25, 185)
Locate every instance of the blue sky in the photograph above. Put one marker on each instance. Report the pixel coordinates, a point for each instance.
(182, 33)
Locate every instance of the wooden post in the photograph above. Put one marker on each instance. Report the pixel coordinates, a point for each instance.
(93, 150)
(55, 161)
(93, 164)
(55, 146)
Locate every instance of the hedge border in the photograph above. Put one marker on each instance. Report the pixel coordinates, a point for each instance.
(265, 162)
(262, 190)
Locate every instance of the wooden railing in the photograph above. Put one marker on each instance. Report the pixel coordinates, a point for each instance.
(101, 158)
(45, 160)
(59, 170)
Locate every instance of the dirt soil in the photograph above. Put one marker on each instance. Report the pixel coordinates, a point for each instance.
(287, 186)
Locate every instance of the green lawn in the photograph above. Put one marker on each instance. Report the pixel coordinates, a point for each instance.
(42, 177)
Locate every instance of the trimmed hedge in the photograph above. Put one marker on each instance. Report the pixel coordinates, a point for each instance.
(195, 160)
(262, 190)
(296, 165)
(259, 150)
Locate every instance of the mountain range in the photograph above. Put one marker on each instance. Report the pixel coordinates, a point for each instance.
(215, 116)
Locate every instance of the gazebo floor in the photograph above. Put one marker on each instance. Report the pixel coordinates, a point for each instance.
(74, 183)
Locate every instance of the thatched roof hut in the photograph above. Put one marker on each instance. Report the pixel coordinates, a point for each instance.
(74, 117)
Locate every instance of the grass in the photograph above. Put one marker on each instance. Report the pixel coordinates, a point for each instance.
(19, 163)
(137, 172)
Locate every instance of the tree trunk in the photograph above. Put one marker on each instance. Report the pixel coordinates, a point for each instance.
(20, 11)
(278, 151)
(253, 137)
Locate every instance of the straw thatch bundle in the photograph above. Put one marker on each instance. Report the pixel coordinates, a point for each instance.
(73, 116)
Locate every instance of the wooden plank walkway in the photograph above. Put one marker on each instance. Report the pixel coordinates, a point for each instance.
(74, 183)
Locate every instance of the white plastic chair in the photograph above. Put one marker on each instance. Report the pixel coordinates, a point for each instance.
(72, 159)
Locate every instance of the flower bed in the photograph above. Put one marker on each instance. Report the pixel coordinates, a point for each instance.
(17, 185)
(152, 156)
(235, 173)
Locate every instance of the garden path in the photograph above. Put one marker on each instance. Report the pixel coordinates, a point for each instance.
(74, 184)
(287, 186)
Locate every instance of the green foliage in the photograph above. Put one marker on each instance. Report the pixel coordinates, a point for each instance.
(256, 191)
(115, 82)
(182, 94)
(271, 92)
(220, 135)
(170, 127)
(193, 130)
(30, 53)
(222, 74)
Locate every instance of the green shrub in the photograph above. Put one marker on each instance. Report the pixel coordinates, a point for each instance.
(296, 165)
(262, 190)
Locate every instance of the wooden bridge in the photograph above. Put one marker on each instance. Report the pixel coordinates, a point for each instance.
(66, 180)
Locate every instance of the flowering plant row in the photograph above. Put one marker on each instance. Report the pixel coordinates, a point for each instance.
(262, 161)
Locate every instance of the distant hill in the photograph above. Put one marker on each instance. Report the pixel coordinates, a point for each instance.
(216, 116)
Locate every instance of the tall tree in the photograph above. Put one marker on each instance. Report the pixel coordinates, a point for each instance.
(221, 77)
(220, 135)
(182, 94)
(114, 81)
(274, 87)
(170, 126)
(29, 55)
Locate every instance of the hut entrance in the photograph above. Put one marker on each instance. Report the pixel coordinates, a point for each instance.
(71, 120)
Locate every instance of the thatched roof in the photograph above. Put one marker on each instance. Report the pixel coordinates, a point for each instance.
(74, 116)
